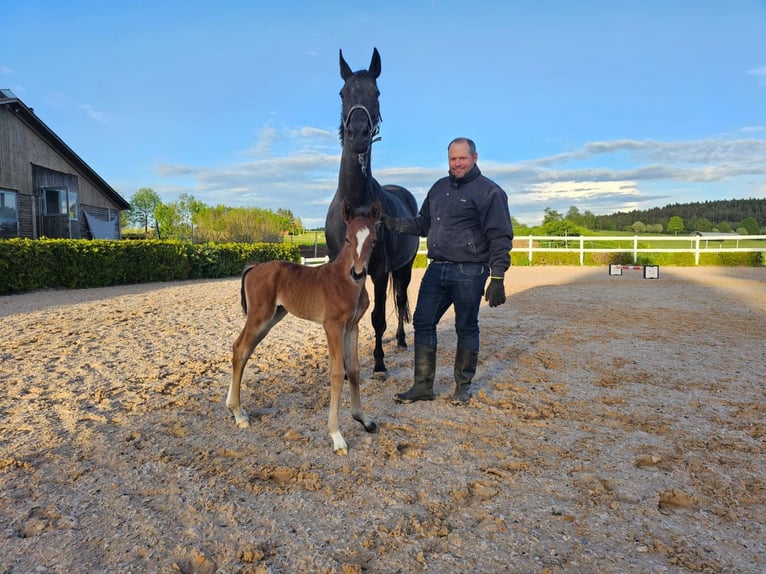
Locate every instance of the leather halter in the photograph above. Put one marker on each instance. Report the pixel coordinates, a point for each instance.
(374, 131)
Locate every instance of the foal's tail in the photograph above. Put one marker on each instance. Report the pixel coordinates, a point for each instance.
(242, 297)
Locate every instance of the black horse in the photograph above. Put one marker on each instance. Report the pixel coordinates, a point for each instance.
(394, 253)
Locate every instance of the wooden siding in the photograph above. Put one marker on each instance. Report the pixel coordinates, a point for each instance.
(28, 162)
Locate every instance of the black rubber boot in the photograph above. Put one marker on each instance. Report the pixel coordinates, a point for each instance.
(465, 369)
(425, 370)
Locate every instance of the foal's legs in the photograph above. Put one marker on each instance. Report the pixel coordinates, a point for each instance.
(254, 331)
(335, 333)
(351, 361)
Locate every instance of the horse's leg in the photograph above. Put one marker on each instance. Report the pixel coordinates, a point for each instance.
(253, 333)
(335, 335)
(401, 281)
(378, 316)
(351, 360)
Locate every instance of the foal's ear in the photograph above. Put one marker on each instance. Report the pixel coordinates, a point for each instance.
(345, 69)
(374, 69)
(348, 211)
(375, 210)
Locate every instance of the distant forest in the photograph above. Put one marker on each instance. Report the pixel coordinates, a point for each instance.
(724, 216)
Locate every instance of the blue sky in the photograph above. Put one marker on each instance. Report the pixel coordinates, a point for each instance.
(601, 105)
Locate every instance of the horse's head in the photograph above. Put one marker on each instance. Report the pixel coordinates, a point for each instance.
(361, 236)
(361, 111)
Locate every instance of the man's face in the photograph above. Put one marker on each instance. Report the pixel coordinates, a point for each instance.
(460, 159)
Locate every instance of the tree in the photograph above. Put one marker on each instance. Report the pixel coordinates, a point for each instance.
(751, 225)
(239, 224)
(169, 220)
(702, 224)
(638, 227)
(675, 224)
(142, 206)
(551, 215)
(293, 225)
(573, 214)
(724, 227)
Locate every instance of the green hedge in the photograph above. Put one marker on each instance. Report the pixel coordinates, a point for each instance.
(28, 265)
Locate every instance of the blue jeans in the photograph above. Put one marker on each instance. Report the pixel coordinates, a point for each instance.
(445, 284)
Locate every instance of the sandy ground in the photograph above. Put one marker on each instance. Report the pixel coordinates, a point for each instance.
(617, 425)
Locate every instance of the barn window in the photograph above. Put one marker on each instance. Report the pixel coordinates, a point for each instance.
(9, 214)
(61, 201)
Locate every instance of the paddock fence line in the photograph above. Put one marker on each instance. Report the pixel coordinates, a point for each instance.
(583, 244)
(693, 244)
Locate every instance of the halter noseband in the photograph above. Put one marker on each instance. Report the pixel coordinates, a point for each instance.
(374, 131)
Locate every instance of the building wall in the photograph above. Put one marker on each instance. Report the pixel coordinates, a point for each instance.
(21, 149)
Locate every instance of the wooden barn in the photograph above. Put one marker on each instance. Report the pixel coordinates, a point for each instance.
(46, 189)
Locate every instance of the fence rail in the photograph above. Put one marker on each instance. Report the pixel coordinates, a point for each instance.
(625, 244)
(695, 244)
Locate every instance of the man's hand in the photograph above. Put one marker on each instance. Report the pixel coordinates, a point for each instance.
(495, 292)
(388, 222)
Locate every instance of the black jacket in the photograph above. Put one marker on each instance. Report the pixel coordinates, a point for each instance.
(466, 220)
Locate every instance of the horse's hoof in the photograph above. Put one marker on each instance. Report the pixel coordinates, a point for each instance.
(369, 426)
(380, 374)
(341, 451)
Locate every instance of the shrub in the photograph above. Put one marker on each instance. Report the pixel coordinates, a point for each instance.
(28, 265)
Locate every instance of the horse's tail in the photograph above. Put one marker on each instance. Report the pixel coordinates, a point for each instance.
(399, 284)
(242, 297)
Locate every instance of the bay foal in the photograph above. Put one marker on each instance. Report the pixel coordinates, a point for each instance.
(333, 295)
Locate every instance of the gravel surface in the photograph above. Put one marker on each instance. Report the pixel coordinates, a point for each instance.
(617, 425)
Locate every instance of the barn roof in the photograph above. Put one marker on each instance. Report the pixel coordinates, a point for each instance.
(715, 234)
(26, 114)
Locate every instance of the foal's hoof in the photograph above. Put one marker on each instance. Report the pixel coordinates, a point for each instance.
(242, 420)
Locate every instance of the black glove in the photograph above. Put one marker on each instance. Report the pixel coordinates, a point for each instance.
(388, 222)
(495, 292)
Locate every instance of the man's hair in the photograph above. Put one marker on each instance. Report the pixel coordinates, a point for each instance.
(469, 141)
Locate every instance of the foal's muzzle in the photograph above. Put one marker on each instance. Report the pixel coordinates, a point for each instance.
(358, 276)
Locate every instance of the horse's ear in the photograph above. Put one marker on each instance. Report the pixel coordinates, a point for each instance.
(345, 69)
(375, 210)
(374, 69)
(348, 211)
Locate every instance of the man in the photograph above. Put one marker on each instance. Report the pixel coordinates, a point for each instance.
(465, 217)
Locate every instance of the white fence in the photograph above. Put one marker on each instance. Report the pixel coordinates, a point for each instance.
(689, 244)
(626, 244)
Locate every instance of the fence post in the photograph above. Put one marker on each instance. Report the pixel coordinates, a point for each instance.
(530, 250)
(635, 249)
(697, 250)
(582, 251)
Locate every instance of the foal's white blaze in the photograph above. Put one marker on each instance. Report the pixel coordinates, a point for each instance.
(361, 237)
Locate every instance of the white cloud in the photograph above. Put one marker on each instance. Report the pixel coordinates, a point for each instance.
(297, 169)
(760, 74)
(579, 191)
(91, 112)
